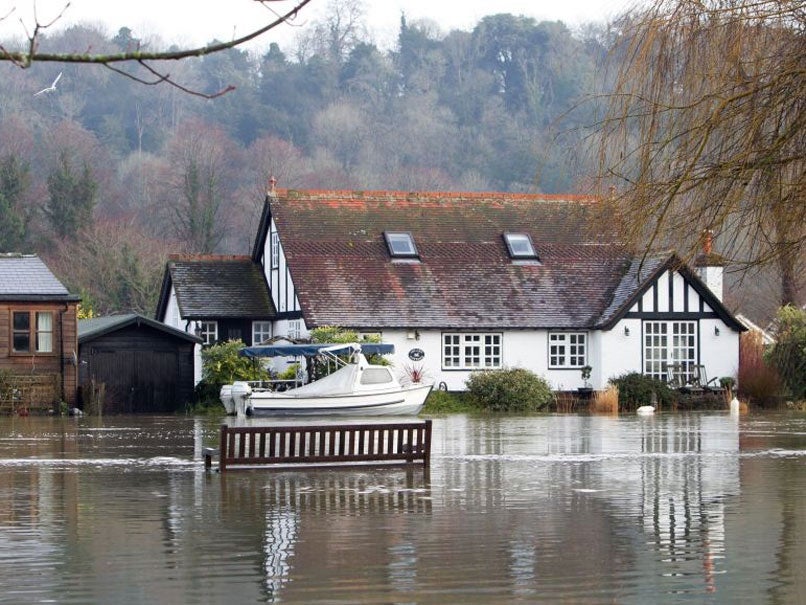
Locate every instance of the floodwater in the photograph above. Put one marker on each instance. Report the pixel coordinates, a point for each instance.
(675, 508)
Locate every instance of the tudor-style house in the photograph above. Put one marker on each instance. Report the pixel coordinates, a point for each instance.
(38, 337)
(216, 298)
(460, 282)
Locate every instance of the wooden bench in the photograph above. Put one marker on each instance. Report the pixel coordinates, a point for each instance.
(328, 444)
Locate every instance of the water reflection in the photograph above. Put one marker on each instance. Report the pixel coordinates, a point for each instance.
(688, 507)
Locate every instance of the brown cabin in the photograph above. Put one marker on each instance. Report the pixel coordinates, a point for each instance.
(38, 337)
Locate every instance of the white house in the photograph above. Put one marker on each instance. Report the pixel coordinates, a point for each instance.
(461, 282)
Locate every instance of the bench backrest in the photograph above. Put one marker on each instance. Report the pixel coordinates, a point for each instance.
(325, 444)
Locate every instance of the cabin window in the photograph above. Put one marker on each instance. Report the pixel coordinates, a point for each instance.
(376, 376)
(519, 246)
(208, 332)
(400, 244)
(670, 343)
(261, 331)
(32, 332)
(471, 351)
(567, 349)
(275, 250)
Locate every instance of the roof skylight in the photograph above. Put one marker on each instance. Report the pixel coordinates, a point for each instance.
(400, 244)
(520, 246)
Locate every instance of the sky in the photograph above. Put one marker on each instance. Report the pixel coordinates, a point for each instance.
(196, 22)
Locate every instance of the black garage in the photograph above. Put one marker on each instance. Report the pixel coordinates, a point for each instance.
(145, 367)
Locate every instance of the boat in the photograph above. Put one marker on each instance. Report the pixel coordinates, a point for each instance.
(355, 388)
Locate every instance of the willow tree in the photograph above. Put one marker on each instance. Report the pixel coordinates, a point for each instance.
(706, 129)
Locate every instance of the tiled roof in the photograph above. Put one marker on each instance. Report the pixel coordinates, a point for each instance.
(89, 329)
(220, 286)
(343, 274)
(26, 277)
(639, 271)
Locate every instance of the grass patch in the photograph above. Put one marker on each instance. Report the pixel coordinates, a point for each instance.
(448, 402)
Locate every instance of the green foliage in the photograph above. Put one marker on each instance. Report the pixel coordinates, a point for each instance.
(222, 364)
(290, 373)
(635, 390)
(513, 390)
(788, 354)
(72, 198)
(335, 334)
(14, 180)
(445, 402)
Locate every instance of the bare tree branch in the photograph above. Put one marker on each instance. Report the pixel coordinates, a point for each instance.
(706, 129)
(24, 59)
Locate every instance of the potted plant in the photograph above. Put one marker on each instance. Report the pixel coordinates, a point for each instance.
(586, 390)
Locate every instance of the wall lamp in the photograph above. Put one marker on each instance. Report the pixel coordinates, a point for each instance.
(626, 331)
(716, 330)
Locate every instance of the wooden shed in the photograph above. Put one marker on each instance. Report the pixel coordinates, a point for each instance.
(144, 365)
(37, 337)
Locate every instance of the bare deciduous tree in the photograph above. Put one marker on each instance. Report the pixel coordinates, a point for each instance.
(151, 61)
(706, 129)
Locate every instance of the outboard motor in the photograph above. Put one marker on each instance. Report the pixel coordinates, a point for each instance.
(226, 398)
(241, 392)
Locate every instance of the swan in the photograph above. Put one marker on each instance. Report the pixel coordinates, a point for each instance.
(734, 406)
(646, 410)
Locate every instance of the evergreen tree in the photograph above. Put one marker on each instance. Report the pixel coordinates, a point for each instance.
(72, 198)
(14, 179)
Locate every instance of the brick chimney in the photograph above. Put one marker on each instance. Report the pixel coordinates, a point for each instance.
(710, 266)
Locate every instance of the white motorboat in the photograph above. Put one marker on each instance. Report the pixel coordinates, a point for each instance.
(356, 388)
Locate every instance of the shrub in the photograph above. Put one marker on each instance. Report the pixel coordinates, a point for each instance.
(223, 364)
(759, 381)
(635, 390)
(318, 368)
(445, 402)
(788, 354)
(514, 390)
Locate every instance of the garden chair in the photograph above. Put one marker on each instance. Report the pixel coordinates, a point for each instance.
(701, 380)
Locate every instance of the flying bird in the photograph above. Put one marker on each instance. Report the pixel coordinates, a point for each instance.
(50, 88)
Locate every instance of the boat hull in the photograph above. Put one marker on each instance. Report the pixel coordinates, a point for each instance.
(407, 401)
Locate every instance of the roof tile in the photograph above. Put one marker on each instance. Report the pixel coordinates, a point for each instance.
(220, 286)
(333, 242)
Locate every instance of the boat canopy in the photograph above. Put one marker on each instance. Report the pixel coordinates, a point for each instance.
(310, 350)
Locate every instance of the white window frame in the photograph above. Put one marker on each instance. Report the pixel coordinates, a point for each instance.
(294, 329)
(670, 342)
(568, 350)
(261, 331)
(275, 250)
(472, 350)
(208, 332)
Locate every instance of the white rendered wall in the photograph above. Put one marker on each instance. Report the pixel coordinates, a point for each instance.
(173, 318)
(719, 353)
(617, 352)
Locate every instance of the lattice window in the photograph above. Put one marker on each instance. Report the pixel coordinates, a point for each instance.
(567, 349)
(471, 351)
